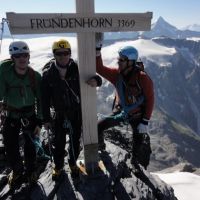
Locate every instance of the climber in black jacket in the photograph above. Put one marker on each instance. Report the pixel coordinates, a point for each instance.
(61, 91)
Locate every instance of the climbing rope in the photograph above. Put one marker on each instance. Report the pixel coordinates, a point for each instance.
(38, 146)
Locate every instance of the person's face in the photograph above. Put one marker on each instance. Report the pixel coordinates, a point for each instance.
(122, 63)
(125, 65)
(62, 56)
(21, 60)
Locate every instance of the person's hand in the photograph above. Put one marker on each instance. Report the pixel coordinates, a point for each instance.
(92, 82)
(47, 126)
(98, 49)
(143, 126)
(37, 130)
(99, 40)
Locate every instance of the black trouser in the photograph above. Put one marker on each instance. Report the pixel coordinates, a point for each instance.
(11, 132)
(141, 149)
(60, 131)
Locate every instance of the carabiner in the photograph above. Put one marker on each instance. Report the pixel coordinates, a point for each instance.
(25, 122)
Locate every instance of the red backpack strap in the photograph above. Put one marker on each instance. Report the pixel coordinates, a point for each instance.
(140, 64)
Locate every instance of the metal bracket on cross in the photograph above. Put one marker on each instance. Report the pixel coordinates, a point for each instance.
(85, 23)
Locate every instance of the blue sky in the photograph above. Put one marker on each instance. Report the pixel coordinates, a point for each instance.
(179, 13)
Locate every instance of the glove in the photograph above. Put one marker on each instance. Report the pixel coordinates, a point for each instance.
(94, 81)
(143, 126)
(98, 50)
(99, 40)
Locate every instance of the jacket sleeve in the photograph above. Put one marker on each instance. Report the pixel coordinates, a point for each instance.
(147, 87)
(46, 98)
(110, 74)
(2, 84)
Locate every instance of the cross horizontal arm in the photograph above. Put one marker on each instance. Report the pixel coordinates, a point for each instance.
(21, 23)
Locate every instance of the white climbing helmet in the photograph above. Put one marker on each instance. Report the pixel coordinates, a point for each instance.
(18, 47)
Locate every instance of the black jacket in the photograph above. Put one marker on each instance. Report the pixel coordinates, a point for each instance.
(62, 95)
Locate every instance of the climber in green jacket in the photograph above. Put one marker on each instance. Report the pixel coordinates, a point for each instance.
(20, 100)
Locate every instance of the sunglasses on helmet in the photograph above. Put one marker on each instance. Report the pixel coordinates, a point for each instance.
(122, 59)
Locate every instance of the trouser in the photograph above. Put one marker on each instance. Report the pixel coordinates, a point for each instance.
(141, 149)
(60, 131)
(11, 132)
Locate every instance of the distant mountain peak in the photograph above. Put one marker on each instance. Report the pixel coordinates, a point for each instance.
(163, 24)
(161, 20)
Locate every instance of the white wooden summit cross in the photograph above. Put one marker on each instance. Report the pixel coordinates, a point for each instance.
(85, 23)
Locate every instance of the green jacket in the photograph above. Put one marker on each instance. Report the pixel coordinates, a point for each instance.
(17, 90)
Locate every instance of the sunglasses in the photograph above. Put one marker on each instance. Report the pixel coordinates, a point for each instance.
(122, 60)
(63, 53)
(21, 55)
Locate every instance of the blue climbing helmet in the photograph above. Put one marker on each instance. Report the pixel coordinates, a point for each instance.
(130, 52)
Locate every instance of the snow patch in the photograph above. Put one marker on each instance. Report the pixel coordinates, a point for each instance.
(186, 185)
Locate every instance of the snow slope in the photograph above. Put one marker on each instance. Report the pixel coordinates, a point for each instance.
(186, 185)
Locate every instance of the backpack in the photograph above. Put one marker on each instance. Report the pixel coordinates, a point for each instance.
(139, 67)
(31, 75)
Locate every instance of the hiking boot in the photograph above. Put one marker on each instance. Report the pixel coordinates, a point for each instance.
(74, 171)
(15, 179)
(56, 174)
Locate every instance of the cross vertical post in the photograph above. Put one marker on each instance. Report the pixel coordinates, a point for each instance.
(87, 63)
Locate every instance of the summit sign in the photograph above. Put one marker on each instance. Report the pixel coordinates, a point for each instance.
(71, 23)
(58, 23)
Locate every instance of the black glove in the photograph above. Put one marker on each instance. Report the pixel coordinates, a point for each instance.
(99, 41)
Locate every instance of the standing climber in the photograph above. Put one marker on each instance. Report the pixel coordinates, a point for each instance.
(20, 97)
(61, 92)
